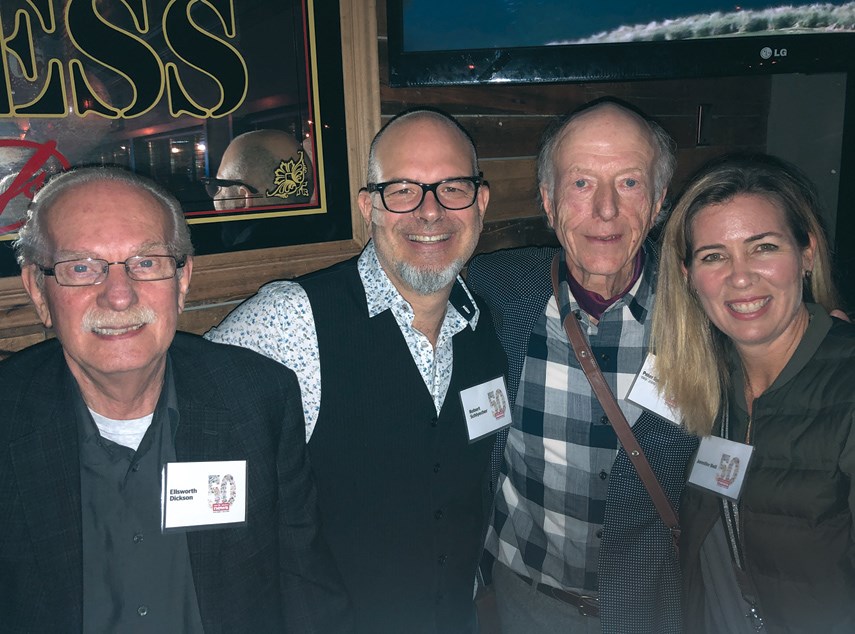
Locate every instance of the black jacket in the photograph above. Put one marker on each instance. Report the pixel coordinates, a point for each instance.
(272, 574)
(798, 500)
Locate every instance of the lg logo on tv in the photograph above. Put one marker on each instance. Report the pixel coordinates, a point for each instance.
(767, 53)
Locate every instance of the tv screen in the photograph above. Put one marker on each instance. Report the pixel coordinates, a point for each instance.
(451, 42)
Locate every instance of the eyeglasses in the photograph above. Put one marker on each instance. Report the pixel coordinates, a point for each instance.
(401, 197)
(213, 185)
(92, 271)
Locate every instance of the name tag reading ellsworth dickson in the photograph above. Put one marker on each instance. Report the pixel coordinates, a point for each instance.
(200, 495)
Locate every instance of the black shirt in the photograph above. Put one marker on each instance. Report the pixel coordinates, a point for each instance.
(135, 578)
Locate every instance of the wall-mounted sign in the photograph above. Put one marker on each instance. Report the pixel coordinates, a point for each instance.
(236, 106)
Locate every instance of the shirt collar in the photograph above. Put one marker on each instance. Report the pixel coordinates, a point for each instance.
(166, 402)
(381, 294)
(639, 297)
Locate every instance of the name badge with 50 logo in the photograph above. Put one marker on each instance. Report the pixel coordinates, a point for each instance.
(203, 494)
(486, 408)
(720, 466)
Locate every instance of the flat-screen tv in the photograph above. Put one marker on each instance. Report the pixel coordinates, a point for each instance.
(450, 42)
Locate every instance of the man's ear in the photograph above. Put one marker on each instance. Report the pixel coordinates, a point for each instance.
(247, 197)
(547, 206)
(657, 206)
(30, 278)
(482, 199)
(363, 199)
(185, 273)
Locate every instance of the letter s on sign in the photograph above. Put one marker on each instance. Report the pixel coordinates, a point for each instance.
(207, 52)
(120, 51)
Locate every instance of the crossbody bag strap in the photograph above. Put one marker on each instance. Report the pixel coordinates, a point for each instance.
(619, 423)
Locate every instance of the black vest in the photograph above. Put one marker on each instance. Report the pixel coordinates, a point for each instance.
(404, 496)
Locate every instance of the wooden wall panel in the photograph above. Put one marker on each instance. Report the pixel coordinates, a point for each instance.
(513, 189)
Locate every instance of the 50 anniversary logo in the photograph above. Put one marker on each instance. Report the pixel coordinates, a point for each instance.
(100, 61)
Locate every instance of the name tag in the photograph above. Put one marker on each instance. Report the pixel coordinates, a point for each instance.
(486, 408)
(203, 494)
(720, 466)
(644, 392)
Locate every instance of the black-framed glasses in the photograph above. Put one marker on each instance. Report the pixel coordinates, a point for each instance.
(403, 196)
(92, 271)
(213, 185)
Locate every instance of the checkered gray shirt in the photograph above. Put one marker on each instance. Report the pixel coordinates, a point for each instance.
(572, 511)
(561, 447)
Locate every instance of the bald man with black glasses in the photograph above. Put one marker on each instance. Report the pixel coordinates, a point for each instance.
(402, 379)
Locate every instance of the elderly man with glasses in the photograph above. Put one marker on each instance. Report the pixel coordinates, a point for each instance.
(402, 381)
(149, 480)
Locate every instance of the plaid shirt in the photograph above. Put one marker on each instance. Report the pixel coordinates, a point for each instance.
(564, 485)
(561, 447)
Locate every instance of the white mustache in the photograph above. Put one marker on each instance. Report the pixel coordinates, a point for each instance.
(97, 319)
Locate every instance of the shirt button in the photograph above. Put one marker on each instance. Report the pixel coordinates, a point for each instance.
(442, 559)
(603, 475)
(599, 533)
(142, 610)
(605, 420)
(138, 538)
(136, 467)
(604, 357)
(434, 421)
(438, 515)
(436, 468)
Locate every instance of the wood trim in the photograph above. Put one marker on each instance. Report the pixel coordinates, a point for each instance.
(361, 93)
(17, 315)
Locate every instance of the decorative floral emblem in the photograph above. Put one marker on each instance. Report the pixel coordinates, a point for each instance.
(290, 178)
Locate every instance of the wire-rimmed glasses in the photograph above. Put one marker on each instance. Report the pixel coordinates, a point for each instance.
(92, 271)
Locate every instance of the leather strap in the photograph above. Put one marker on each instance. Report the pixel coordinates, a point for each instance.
(587, 605)
(619, 423)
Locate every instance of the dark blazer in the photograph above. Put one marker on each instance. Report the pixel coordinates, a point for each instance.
(274, 573)
(516, 285)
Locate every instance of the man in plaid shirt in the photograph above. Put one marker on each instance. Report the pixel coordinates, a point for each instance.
(577, 541)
